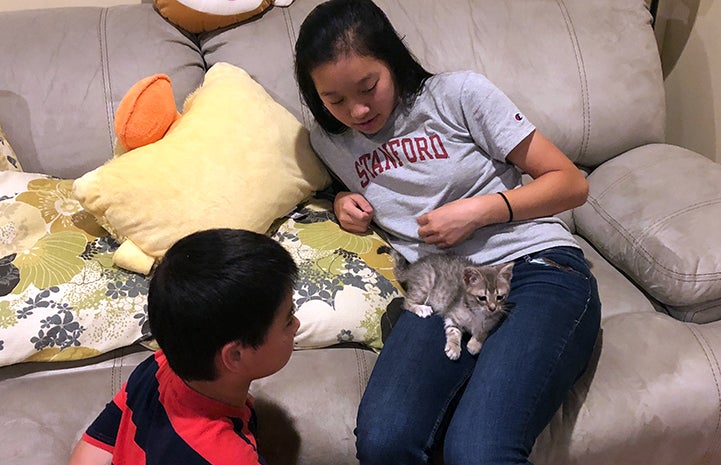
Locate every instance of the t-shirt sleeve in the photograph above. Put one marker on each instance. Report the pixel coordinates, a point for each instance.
(319, 142)
(325, 149)
(494, 121)
(103, 431)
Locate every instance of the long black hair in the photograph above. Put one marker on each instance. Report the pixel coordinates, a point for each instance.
(339, 27)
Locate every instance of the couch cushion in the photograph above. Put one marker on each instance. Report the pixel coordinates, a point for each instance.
(273, 34)
(655, 213)
(307, 411)
(649, 396)
(345, 286)
(600, 48)
(618, 295)
(60, 296)
(293, 428)
(558, 61)
(234, 159)
(58, 112)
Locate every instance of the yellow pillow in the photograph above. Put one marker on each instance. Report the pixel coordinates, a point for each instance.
(235, 158)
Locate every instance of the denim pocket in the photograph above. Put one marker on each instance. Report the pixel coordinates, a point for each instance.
(567, 259)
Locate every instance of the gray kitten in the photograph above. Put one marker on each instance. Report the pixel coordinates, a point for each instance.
(468, 296)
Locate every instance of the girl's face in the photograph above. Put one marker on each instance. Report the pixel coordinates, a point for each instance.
(359, 91)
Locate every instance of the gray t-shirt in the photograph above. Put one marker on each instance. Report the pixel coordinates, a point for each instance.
(451, 143)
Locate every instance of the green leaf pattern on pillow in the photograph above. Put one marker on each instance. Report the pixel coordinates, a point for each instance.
(344, 285)
(61, 297)
(52, 260)
(53, 199)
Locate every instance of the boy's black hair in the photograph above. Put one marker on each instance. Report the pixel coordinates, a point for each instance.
(338, 27)
(214, 287)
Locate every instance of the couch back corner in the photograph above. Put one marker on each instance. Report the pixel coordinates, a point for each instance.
(70, 67)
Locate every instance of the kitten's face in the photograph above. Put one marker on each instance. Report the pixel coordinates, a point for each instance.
(488, 287)
(486, 300)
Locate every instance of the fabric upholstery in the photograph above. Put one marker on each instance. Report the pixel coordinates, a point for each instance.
(62, 123)
(45, 430)
(663, 243)
(586, 72)
(510, 43)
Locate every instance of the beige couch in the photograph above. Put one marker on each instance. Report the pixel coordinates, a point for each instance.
(587, 72)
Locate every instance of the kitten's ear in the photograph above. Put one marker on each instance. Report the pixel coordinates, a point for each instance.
(506, 271)
(471, 275)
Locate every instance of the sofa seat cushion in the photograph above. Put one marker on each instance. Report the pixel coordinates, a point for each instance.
(655, 213)
(618, 294)
(62, 402)
(649, 396)
(325, 385)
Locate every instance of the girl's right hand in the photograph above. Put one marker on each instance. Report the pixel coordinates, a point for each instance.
(353, 211)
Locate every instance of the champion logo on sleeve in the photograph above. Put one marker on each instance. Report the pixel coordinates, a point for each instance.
(518, 116)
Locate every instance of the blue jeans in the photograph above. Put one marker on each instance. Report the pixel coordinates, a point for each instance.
(489, 408)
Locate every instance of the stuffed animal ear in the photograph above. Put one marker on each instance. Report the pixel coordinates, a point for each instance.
(198, 16)
(145, 113)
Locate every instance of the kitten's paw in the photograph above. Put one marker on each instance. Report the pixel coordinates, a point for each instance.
(423, 311)
(453, 351)
(474, 346)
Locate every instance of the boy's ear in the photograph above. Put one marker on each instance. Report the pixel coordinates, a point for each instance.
(231, 356)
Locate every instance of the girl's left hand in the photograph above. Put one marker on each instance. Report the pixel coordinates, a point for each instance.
(451, 223)
(557, 186)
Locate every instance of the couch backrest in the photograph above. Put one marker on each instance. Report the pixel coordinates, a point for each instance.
(587, 72)
(64, 70)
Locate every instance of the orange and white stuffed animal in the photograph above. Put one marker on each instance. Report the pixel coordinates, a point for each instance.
(198, 16)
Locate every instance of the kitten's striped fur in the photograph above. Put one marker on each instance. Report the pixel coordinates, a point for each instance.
(468, 297)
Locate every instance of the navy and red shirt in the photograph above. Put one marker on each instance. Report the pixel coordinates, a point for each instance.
(156, 418)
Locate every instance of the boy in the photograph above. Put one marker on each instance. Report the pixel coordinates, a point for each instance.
(220, 307)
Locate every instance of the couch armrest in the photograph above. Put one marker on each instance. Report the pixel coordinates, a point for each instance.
(655, 213)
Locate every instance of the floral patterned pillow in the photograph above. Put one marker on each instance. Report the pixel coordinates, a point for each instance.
(344, 287)
(8, 160)
(61, 298)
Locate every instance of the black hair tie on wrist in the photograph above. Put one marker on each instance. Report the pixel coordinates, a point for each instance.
(508, 204)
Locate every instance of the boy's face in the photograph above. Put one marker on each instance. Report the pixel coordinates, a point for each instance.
(275, 352)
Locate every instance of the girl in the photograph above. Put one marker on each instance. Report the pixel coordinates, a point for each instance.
(435, 162)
